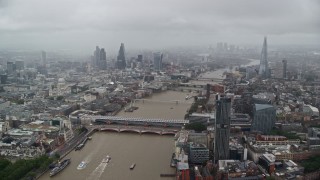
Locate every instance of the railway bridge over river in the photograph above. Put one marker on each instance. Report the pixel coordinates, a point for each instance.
(135, 129)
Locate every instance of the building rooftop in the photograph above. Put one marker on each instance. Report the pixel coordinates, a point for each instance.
(19, 132)
(262, 106)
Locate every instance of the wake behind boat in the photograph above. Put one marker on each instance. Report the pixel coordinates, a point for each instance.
(106, 159)
(82, 165)
(60, 166)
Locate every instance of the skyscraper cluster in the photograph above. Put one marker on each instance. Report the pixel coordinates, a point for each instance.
(224, 47)
(12, 67)
(264, 70)
(100, 58)
(222, 128)
(121, 59)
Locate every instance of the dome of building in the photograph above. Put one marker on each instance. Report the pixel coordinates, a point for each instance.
(61, 80)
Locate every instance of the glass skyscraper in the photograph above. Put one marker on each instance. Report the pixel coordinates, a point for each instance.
(121, 59)
(264, 118)
(264, 71)
(222, 128)
(157, 61)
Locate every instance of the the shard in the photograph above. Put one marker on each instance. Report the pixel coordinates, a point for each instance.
(264, 71)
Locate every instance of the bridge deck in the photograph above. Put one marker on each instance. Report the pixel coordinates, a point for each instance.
(131, 119)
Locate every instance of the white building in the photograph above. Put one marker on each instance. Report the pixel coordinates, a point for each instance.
(310, 110)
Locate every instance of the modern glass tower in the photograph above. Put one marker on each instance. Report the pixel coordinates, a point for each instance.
(103, 59)
(264, 118)
(264, 71)
(121, 59)
(222, 128)
(96, 57)
(157, 61)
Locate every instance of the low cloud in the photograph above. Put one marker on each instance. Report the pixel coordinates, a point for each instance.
(145, 23)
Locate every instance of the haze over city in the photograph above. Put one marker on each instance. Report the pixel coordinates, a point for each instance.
(154, 90)
(144, 24)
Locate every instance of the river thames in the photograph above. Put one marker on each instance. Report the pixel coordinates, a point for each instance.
(151, 153)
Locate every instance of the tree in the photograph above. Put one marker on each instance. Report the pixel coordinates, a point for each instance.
(59, 98)
(56, 156)
(198, 127)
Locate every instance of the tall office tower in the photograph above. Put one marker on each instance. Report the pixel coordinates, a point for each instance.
(140, 58)
(3, 78)
(121, 59)
(19, 65)
(208, 91)
(264, 71)
(222, 128)
(10, 67)
(264, 118)
(284, 62)
(44, 57)
(96, 57)
(157, 61)
(103, 59)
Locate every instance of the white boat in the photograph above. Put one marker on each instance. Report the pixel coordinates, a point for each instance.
(82, 165)
(132, 166)
(106, 159)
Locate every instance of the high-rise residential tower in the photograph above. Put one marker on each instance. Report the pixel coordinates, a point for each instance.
(222, 128)
(157, 61)
(264, 71)
(121, 59)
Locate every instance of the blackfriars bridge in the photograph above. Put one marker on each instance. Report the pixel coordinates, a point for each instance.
(134, 129)
(170, 101)
(133, 121)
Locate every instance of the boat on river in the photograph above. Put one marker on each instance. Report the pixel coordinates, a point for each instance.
(132, 166)
(106, 159)
(60, 166)
(82, 165)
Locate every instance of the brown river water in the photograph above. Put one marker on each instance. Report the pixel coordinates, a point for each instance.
(151, 153)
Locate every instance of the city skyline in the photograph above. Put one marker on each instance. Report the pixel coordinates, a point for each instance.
(145, 24)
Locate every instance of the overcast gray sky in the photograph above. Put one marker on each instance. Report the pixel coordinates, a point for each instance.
(82, 24)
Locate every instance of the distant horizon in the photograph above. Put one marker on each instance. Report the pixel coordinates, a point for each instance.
(114, 50)
(80, 25)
